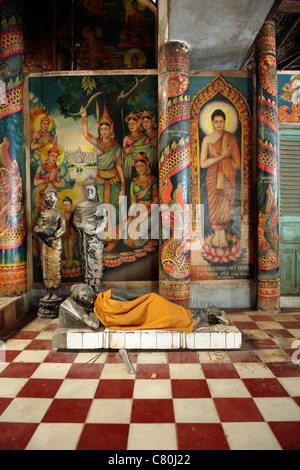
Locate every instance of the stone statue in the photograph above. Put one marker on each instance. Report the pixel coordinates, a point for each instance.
(81, 310)
(50, 228)
(77, 310)
(90, 223)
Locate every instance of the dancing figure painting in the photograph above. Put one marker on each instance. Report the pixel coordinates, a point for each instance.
(81, 127)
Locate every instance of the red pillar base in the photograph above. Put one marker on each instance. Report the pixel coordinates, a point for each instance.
(268, 295)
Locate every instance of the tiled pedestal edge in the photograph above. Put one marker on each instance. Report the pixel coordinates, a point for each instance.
(212, 337)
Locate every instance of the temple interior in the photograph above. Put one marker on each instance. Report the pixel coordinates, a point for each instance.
(150, 227)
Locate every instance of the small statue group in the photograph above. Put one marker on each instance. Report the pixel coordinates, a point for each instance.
(79, 309)
(51, 226)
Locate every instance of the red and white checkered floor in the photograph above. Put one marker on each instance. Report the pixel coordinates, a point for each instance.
(176, 400)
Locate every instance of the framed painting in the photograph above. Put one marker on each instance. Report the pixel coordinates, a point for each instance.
(115, 34)
(221, 176)
(99, 127)
(288, 97)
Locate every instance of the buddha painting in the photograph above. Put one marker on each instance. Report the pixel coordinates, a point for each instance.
(134, 29)
(92, 53)
(220, 162)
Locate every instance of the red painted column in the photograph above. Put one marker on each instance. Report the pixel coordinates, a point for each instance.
(268, 280)
(174, 172)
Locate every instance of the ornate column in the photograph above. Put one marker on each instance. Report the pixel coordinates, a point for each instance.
(174, 172)
(13, 264)
(268, 281)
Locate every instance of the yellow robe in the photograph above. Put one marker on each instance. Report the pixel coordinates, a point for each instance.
(149, 311)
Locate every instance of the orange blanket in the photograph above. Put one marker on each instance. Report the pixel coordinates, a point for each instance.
(147, 312)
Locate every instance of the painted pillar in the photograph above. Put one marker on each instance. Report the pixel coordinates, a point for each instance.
(174, 172)
(13, 263)
(268, 280)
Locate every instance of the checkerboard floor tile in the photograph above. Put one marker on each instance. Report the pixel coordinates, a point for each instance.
(176, 400)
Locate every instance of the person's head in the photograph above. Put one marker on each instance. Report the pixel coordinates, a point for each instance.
(218, 119)
(141, 163)
(83, 294)
(53, 153)
(67, 204)
(133, 121)
(106, 125)
(45, 122)
(148, 120)
(105, 130)
(50, 196)
(91, 189)
(53, 157)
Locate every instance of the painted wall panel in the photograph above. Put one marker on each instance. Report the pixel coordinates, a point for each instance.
(57, 102)
(221, 187)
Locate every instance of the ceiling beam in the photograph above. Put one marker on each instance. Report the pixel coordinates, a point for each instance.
(274, 9)
(250, 53)
(288, 55)
(289, 6)
(290, 63)
(288, 30)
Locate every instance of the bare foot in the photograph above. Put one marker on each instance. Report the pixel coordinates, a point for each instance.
(223, 240)
(47, 297)
(215, 240)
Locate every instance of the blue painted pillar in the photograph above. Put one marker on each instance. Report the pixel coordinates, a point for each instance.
(13, 260)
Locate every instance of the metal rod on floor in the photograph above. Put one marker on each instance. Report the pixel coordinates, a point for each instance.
(124, 355)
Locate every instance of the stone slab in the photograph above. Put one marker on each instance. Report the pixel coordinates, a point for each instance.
(207, 337)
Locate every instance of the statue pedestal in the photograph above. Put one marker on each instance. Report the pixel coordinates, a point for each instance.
(49, 308)
(206, 337)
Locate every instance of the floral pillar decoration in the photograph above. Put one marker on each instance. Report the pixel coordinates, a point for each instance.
(268, 281)
(13, 263)
(174, 172)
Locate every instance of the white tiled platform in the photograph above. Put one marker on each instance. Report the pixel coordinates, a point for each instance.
(208, 337)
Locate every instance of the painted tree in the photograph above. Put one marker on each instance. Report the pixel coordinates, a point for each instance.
(121, 94)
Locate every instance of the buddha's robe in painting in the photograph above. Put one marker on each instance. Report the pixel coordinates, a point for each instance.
(221, 183)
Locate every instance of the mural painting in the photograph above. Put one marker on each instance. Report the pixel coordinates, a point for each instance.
(115, 34)
(288, 97)
(89, 35)
(221, 170)
(103, 127)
